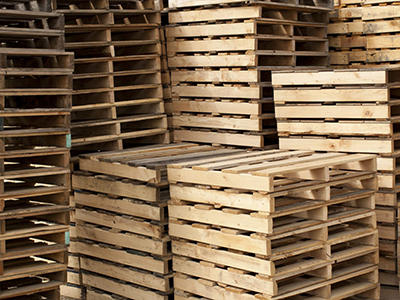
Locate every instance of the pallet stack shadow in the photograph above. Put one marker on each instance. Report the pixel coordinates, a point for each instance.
(364, 33)
(118, 97)
(355, 111)
(274, 225)
(35, 97)
(122, 220)
(221, 54)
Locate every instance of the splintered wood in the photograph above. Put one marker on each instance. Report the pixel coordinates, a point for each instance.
(35, 96)
(122, 219)
(349, 111)
(274, 224)
(118, 96)
(364, 33)
(221, 54)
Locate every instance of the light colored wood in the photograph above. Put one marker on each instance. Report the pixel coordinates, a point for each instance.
(386, 199)
(191, 16)
(120, 206)
(249, 60)
(336, 95)
(256, 141)
(218, 122)
(386, 41)
(249, 75)
(376, 27)
(375, 56)
(217, 92)
(227, 258)
(121, 289)
(128, 275)
(119, 222)
(247, 282)
(148, 263)
(343, 145)
(386, 163)
(189, 3)
(345, 27)
(239, 242)
(71, 292)
(117, 169)
(130, 241)
(370, 112)
(240, 181)
(218, 217)
(240, 28)
(253, 201)
(380, 12)
(216, 292)
(217, 107)
(338, 128)
(119, 188)
(329, 77)
(245, 44)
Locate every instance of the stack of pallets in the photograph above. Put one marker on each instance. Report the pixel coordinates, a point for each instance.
(274, 225)
(122, 220)
(221, 54)
(35, 93)
(354, 111)
(118, 96)
(364, 33)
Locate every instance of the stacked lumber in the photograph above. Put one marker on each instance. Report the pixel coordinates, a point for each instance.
(122, 220)
(354, 111)
(35, 102)
(221, 54)
(118, 97)
(274, 225)
(364, 33)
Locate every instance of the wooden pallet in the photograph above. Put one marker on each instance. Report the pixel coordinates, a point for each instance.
(187, 286)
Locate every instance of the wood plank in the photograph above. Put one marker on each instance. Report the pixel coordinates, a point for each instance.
(215, 292)
(130, 241)
(245, 140)
(244, 108)
(249, 12)
(136, 260)
(118, 288)
(122, 223)
(250, 75)
(231, 45)
(369, 112)
(121, 206)
(334, 95)
(241, 28)
(213, 61)
(231, 241)
(217, 122)
(247, 282)
(251, 201)
(135, 191)
(330, 77)
(338, 128)
(344, 145)
(219, 217)
(126, 274)
(227, 258)
(211, 91)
